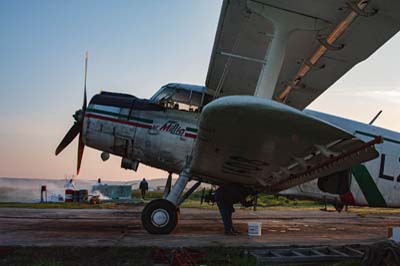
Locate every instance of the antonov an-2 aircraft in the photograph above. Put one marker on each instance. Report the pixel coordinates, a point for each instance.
(248, 125)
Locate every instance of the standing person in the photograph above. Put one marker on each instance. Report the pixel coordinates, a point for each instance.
(144, 186)
(226, 196)
(70, 184)
(97, 186)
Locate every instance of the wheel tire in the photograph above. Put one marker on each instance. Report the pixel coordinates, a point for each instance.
(160, 216)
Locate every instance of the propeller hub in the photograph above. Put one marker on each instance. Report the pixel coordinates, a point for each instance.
(78, 116)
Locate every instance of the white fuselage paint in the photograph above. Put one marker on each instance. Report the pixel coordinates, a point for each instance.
(164, 140)
(384, 170)
(160, 139)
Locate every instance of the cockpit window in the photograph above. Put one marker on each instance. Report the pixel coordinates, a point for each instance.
(164, 95)
(196, 98)
(187, 97)
(182, 96)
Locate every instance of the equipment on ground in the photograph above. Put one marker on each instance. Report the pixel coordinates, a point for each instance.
(95, 200)
(254, 228)
(114, 192)
(308, 256)
(208, 197)
(69, 195)
(72, 195)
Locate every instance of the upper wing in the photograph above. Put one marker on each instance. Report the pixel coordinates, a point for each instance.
(259, 142)
(315, 58)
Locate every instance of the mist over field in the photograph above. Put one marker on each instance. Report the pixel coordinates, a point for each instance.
(28, 189)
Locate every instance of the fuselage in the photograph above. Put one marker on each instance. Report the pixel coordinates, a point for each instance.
(157, 136)
(373, 183)
(140, 130)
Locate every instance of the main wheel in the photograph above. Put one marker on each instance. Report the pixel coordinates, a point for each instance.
(160, 216)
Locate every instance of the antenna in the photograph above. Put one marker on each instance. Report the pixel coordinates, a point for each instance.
(375, 117)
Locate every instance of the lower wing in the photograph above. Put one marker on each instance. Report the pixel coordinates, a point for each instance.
(271, 146)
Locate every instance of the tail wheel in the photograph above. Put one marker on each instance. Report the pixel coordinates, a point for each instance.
(160, 216)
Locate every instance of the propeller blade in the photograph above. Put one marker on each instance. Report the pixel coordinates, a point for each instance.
(84, 95)
(69, 137)
(81, 147)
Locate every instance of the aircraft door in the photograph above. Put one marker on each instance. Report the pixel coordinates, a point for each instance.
(122, 146)
(124, 135)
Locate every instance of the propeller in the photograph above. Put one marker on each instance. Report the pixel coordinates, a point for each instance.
(77, 127)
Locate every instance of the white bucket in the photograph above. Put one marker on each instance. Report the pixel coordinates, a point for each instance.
(394, 234)
(254, 229)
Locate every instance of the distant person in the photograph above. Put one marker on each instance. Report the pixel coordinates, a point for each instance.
(144, 186)
(70, 185)
(226, 196)
(98, 185)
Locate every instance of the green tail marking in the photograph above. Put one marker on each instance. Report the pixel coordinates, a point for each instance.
(368, 186)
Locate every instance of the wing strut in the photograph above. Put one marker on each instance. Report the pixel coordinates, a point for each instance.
(284, 22)
(357, 9)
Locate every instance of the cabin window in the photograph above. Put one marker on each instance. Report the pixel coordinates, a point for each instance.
(180, 99)
(196, 99)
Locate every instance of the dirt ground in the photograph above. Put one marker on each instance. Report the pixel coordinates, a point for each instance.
(198, 228)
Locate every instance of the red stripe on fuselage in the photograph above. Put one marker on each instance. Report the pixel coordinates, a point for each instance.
(118, 121)
(190, 135)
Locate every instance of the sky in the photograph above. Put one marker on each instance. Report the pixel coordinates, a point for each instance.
(134, 47)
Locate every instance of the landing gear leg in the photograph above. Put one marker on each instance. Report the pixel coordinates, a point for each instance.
(179, 186)
(168, 186)
(161, 216)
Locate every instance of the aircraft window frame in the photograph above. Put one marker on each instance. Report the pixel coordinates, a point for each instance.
(165, 94)
(193, 102)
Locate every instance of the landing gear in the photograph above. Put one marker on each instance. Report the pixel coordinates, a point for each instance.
(161, 216)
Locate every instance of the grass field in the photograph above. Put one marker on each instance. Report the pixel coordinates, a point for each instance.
(264, 202)
(192, 202)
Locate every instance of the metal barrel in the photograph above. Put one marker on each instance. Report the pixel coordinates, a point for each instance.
(83, 195)
(75, 196)
(69, 193)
